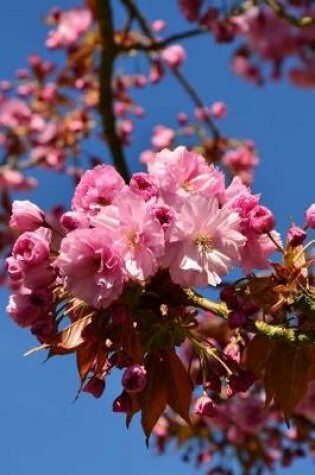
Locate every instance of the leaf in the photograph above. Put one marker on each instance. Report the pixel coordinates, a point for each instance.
(85, 359)
(287, 375)
(256, 354)
(155, 393)
(179, 387)
(135, 407)
(68, 340)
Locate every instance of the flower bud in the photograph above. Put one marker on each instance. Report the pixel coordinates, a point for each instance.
(26, 216)
(262, 220)
(310, 216)
(133, 378)
(204, 406)
(296, 236)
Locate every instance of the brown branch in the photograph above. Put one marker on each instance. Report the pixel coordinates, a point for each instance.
(146, 29)
(196, 100)
(108, 56)
(161, 44)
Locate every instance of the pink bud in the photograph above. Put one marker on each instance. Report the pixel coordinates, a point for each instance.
(262, 220)
(218, 110)
(26, 216)
(182, 118)
(296, 236)
(133, 378)
(204, 406)
(310, 216)
(158, 25)
(94, 386)
(174, 55)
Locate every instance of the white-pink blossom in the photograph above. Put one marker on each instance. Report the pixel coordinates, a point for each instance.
(204, 243)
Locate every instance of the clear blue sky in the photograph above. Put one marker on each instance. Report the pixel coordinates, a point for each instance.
(41, 431)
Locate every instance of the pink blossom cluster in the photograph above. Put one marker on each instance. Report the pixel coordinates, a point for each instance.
(69, 27)
(266, 38)
(178, 216)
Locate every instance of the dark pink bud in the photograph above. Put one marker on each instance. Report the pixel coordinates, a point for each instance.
(296, 236)
(204, 406)
(94, 386)
(122, 403)
(262, 220)
(133, 378)
(218, 110)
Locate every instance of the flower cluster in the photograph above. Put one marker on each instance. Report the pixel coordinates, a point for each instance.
(179, 216)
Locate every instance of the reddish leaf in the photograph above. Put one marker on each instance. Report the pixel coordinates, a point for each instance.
(179, 386)
(256, 354)
(155, 393)
(287, 375)
(69, 339)
(85, 359)
(135, 407)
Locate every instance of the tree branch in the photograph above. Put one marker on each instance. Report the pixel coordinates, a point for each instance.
(146, 29)
(161, 44)
(108, 55)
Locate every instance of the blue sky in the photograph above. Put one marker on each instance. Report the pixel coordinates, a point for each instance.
(41, 430)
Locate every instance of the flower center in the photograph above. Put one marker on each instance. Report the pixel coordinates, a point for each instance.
(204, 241)
(187, 186)
(132, 239)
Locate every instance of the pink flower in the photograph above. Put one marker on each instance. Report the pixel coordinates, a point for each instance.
(133, 379)
(310, 217)
(158, 25)
(70, 26)
(97, 188)
(181, 173)
(174, 55)
(26, 216)
(257, 250)
(91, 267)
(296, 236)
(204, 406)
(162, 137)
(261, 220)
(218, 110)
(14, 112)
(27, 307)
(205, 243)
(74, 220)
(142, 184)
(31, 249)
(13, 179)
(137, 233)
